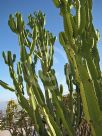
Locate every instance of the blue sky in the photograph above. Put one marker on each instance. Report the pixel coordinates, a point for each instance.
(9, 41)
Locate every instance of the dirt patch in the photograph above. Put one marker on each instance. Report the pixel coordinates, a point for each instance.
(4, 133)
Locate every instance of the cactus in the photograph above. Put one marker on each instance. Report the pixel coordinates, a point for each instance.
(52, 113)
(79, 51)
(40, 47)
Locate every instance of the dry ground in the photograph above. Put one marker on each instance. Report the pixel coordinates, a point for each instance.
(4, 133)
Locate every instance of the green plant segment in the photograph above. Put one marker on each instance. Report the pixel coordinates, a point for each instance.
(79, 41)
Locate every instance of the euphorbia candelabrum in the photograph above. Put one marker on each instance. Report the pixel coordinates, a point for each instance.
(50, 114)
(79, 41)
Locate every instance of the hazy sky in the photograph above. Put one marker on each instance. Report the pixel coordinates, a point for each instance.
(9, 41)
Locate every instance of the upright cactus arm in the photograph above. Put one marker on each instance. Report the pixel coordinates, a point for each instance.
(96, 59)
(22, 32)
(41, 103)
(4, 57)
(93, 117)
(34, 106)
(48, 96)
(19, 22)
(74, 26)
(10, 63)
(50, 83)
(78, 17)
(18, 87)
(25, 105)
(28, 105)
(48, 86)
(67, 71)
(88, 8)
(61, 115)
(27, 36)
(85, 94)
(12, 24)
(21, 99)
(68, 26)
(54, 82)
(61, 89)
(73, 97)
(92, 52)
(95, 78)
(51, 51)
(16, 25)
(82, 18)
(51, 86)
(63, 40)
(45, 49)
(57, 3)
(78, 109)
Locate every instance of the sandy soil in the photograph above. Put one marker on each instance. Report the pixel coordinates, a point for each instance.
(4, 133)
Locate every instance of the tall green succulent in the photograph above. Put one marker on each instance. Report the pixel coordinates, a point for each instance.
(79, 41)
(52, 113)
(48, 113)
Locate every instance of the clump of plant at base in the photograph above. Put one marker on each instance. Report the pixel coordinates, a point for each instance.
(17, 121)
